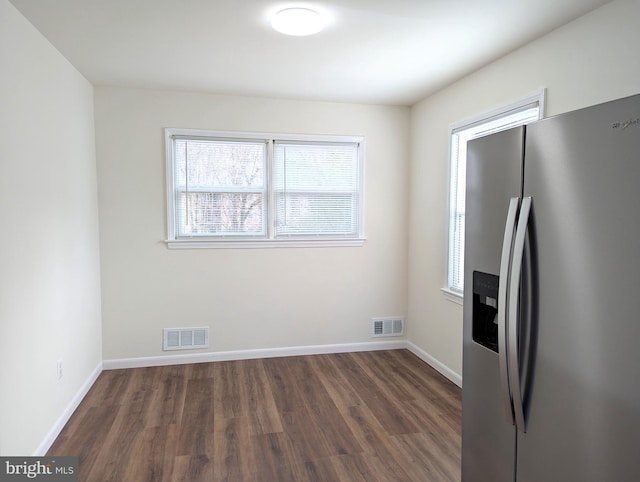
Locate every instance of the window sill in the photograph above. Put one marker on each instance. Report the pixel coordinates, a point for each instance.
(262, 243)
(453, 296)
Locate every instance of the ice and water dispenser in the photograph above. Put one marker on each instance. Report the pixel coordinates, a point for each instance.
(485, 310)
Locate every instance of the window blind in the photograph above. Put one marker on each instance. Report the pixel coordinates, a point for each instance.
(316, 189)
(220, 187)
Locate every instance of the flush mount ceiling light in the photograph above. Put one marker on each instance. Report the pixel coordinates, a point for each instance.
(297, 21)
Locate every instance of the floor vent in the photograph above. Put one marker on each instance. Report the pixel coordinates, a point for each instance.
(185, 338)
(387, 326)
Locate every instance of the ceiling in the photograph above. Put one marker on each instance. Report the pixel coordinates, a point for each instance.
(372, 51)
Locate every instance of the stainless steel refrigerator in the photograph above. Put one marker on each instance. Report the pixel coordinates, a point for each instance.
(551, 368)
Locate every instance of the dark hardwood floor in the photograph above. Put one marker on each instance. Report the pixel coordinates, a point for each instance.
(369, 416)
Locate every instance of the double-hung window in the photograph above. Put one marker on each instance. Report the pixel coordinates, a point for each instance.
(513, 115)
(251, 190)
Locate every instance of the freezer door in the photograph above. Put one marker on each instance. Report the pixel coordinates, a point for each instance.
(582, 171)
(494, 173)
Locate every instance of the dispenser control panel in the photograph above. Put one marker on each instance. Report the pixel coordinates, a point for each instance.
(485, 310)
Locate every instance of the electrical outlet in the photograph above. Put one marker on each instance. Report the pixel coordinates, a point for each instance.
(59, 368)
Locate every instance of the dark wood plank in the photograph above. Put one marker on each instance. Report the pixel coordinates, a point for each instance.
(84, 435)
(318, 470)
(241, 389)
(374, 440)
(430, 382)
(331, 424)
(166, 400)
(305, 434)
(152, 455)
(386, 375)
(193, 468)
(282, 378)
(109, 388)
(367, 468)
(380, 401)
(228, 399)
(259, 400)
(233, 455)
(115, 453)
(428, 458)
(274, 458)
(294, 383)
(340, 390)
(196, 430)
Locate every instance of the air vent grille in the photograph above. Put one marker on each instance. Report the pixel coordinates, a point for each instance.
(387, 326)
(185, 338)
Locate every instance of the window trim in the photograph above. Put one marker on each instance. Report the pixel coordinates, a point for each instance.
(538, 98)
(267, 240)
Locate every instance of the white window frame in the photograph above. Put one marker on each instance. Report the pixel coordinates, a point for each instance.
(268, 240)
(479, 126)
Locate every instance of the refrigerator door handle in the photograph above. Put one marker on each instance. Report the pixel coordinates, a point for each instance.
(502, 306)
(513, 318)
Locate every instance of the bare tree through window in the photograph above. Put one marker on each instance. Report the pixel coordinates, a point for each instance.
(220, 187)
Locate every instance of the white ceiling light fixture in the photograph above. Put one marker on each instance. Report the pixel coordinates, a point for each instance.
(298, 21)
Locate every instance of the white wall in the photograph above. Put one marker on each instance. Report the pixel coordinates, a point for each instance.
(250, 298)
(49, 251)
(591, 60)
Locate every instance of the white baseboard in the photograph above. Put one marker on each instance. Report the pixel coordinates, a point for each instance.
(251, 354)
(66, 414)
(181, 359)
(281, 352)
(435, 363)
